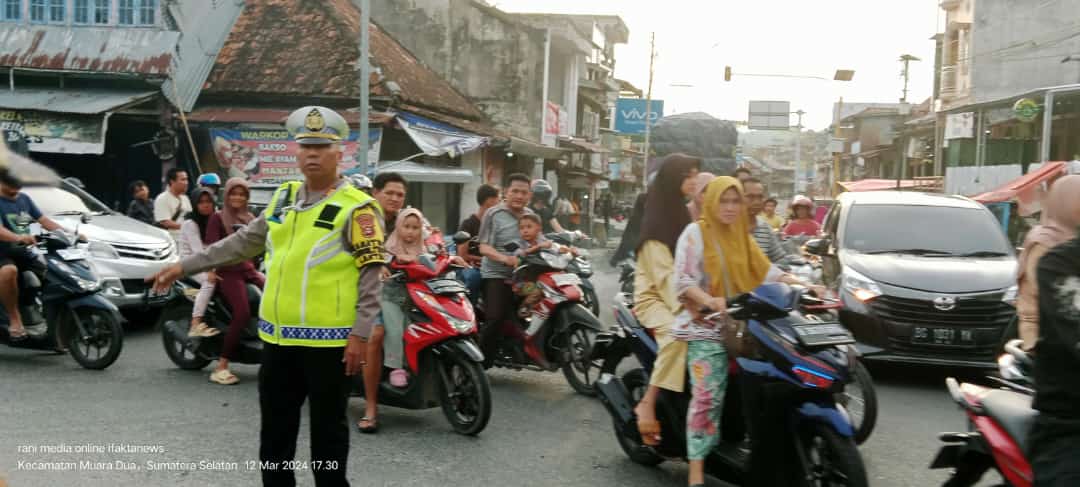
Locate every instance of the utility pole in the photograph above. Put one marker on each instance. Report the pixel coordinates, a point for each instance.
(799, 173)
(836, 155)
(648, 111)
(365, 80)
(906, 59)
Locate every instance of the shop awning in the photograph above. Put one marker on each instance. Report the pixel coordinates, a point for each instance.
(437, 138)
(1023, 186)
(415, 172)
(532, 149)
(582, 145)
(67, 121)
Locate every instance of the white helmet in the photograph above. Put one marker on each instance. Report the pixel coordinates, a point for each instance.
(361, 182)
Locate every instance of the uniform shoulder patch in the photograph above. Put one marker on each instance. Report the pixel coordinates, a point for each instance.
(366, 237)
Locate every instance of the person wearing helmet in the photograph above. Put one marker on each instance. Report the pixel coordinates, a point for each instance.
(209, 181)
(802, 222)
(361, 182)
(541, 205)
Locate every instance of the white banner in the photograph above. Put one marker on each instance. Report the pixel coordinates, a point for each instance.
(436, 139)
(960, 125)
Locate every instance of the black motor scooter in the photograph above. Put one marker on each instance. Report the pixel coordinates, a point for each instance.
(194, 353)
(67, 309)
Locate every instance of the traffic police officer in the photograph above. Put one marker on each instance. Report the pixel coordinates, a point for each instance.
(323, 243)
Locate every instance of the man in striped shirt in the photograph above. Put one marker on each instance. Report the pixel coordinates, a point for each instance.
(754, 193)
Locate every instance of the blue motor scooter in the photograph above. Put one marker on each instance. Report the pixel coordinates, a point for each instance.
(802, 362)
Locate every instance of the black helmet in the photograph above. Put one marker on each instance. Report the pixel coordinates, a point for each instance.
(542, 191)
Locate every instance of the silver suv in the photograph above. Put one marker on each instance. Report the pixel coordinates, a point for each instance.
(124, 251)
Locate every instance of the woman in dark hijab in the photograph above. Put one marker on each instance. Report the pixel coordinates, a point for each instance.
(655, 303)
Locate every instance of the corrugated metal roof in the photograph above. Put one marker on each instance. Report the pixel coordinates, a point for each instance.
(145, 52)
(307, 48)
(70, 100)
(205, 26)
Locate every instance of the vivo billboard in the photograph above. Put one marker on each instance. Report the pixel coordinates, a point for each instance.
(630, 115)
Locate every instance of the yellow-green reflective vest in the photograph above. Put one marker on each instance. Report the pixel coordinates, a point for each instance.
(311, 276)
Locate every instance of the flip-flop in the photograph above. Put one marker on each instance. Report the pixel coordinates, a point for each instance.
(650, 432)
(371, 428)
(224, 377)
(18, 337)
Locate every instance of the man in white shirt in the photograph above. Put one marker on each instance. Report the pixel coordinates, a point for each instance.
(172, 205)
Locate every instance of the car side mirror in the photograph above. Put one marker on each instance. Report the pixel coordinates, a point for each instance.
(85, 218)
(462, 237)
(818, 246)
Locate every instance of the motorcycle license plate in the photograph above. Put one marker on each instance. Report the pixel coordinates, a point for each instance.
(820, 334)
(566, 280)
(928, 335)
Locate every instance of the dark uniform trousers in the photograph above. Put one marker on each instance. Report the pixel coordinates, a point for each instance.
(288, 376)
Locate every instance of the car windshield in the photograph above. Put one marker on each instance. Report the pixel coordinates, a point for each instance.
(925, 230)
(64, 201)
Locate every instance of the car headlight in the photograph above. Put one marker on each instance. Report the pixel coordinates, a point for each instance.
(103, 250)
(1011, 294)
(859, 285)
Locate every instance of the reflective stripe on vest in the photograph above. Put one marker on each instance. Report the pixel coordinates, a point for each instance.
(311, 280)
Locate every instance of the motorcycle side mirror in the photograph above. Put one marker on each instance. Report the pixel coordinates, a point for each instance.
(462, 237)
(818, 246)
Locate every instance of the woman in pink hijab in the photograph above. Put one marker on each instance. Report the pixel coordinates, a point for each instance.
(1060, 219)
(697, 200)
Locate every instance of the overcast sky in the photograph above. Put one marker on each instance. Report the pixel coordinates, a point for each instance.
(695, 39)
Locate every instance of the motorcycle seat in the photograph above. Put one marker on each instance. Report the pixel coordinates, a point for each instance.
(1013, 412)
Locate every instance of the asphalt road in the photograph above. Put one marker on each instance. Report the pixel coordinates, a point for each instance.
(541, 432)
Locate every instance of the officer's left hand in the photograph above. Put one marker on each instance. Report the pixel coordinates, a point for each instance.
(353, 360)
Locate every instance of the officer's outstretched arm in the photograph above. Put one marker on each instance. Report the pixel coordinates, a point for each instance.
(244, 244)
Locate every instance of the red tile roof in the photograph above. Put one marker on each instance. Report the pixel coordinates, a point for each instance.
(310, 48)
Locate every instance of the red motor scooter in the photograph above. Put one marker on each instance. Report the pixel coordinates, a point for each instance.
(440, 351)
(560, 332)
(1000, 419)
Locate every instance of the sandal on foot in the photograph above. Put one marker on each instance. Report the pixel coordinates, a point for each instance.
(18, 336)
(650, 432)
(224, 377)
(399, 378)
(201, 330)
(371, 428)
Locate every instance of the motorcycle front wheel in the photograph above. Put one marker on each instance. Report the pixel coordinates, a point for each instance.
(178, 312)
(578, 364)
(101, 344)
(860, 401)
(466, 394)
(831, 460)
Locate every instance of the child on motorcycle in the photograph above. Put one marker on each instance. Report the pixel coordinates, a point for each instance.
(532, 241)
(405, 245)
(191, 241)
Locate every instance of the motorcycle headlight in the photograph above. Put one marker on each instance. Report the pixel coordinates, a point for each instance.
(1011, 294)
(460, 326)
(859, 285)
(103, 250)
(84, 284)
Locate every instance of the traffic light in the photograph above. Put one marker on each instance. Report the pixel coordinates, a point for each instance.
(727, 73)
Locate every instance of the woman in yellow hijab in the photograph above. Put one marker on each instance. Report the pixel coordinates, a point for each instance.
(716, 258)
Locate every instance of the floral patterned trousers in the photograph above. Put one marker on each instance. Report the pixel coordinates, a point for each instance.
(708, 363)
